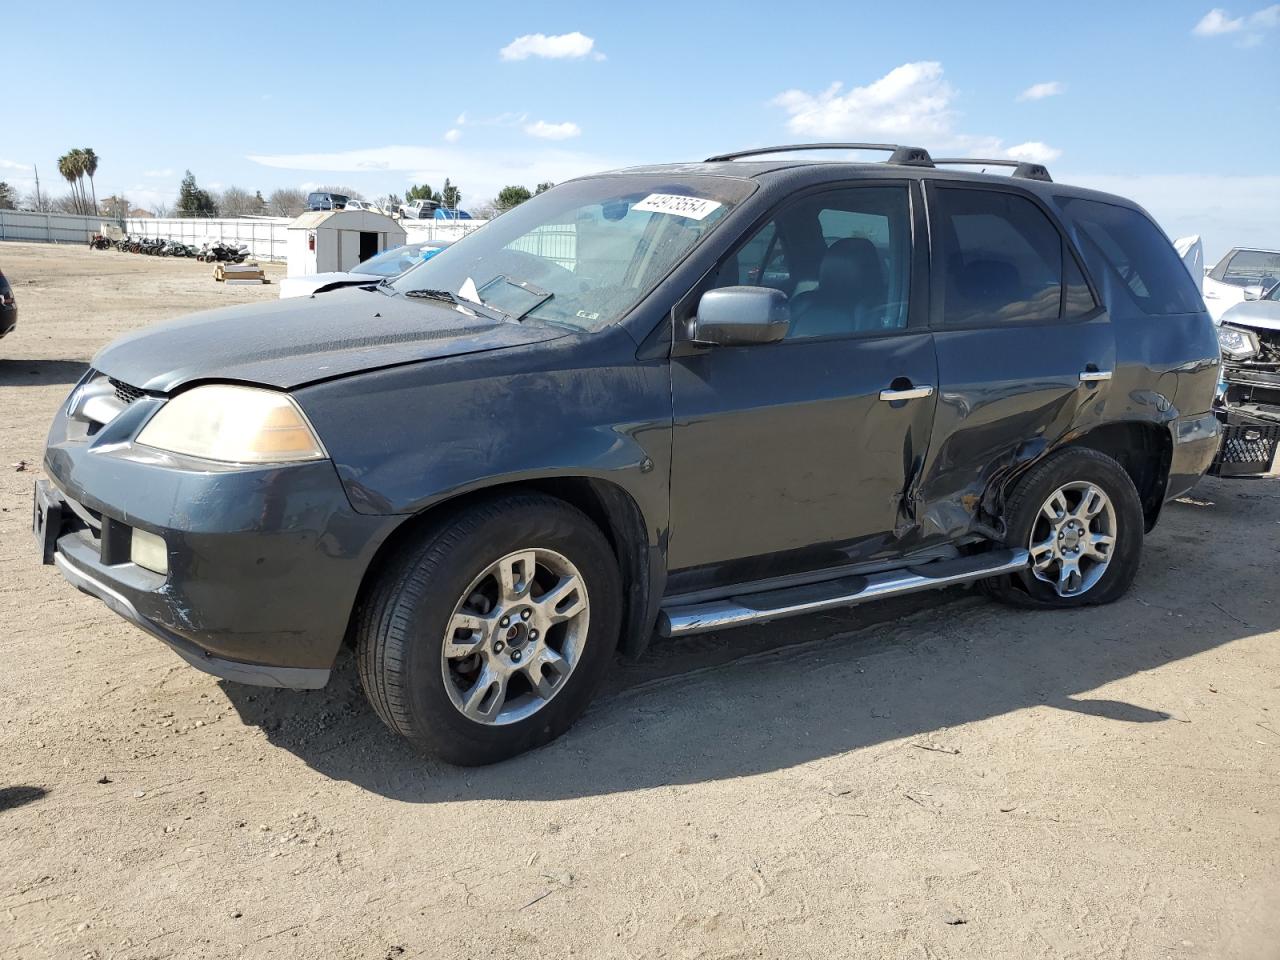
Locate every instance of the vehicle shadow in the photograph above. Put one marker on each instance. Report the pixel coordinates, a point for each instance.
(40, 373)
(767, 698)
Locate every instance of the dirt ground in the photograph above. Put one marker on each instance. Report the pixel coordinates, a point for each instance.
(934, 778)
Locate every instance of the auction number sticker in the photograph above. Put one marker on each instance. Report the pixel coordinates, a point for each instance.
(692, 208)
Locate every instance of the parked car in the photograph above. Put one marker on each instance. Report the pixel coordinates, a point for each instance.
(1241, 275)
(327, 201)
(418, 209)
(669, 399)
(448, 213)
(383, 266)
(1249, 396)
(363, 205)
(8, 307)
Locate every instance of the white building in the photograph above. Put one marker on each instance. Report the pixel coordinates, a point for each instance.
(334, 241)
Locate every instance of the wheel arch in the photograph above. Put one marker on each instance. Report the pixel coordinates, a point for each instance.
(1143, 448)
(606, 504)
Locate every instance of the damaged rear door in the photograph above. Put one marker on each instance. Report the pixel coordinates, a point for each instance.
(800, 454)
(1025, 352)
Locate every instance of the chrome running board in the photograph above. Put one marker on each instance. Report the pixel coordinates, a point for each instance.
(683, 621)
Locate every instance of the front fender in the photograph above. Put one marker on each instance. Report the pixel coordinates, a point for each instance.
(406, 438)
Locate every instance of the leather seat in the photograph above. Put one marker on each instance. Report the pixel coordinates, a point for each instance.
(850, 294)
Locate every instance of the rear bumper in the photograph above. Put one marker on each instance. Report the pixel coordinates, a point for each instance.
(1195, 442)
(8, 319)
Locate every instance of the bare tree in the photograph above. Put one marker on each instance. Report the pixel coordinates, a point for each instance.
(39, 202)
(161, 209)
(236, 202)
(286, 202)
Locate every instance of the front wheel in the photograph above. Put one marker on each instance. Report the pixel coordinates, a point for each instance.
(1079, 516)
(489, 635)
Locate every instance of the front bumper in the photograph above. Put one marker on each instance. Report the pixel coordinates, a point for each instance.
(8, 319)
(1250, 414)
(264, 564)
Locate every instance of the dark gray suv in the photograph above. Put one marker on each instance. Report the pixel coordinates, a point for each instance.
(668, 399)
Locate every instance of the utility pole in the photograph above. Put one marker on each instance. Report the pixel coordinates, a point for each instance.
(39, 202)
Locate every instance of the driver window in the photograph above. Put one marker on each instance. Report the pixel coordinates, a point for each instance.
(842, 258)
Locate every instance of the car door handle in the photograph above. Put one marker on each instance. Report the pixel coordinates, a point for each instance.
(911, 393)
(1094, 376)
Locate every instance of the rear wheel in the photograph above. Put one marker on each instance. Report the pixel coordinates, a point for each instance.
(490, 635)
(1079, 516)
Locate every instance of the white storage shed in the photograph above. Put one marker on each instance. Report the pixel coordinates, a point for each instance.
(334, 241)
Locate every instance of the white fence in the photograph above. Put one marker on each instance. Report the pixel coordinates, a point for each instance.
(47, 227)
(264, 236)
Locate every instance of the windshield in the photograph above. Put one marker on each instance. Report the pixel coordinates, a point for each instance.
(392, 263)
(584, 253)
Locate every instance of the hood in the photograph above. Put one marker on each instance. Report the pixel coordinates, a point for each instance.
(1260, 314)
(289, 343)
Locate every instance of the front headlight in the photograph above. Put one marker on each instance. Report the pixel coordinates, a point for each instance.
(1237, 344)
(233, 425)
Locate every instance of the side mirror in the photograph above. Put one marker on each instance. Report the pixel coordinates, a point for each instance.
(739, 316)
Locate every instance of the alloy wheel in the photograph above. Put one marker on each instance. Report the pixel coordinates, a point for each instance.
(1073, 538)
(515, 636)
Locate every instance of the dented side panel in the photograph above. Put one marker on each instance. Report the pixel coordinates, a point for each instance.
(1007, 396)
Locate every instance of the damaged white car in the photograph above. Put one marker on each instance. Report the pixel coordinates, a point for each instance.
(1243, 274)
(1249, 395)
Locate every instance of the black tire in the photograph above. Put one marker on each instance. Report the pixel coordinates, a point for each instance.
(1022, 508)
(402, 623)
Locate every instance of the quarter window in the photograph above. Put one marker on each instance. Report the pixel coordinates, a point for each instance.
(1003, 261)
(1131, 260)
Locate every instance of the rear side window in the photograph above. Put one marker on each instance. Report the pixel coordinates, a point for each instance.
(1003, 260)
(1130, 259)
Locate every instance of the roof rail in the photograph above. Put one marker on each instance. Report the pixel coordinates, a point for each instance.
(905, 156)
(1022, 169)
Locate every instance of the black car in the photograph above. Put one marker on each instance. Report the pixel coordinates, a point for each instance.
(667, 399)
(324, 200)
(8, 307)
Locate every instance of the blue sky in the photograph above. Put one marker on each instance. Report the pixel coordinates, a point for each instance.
(1173, 103)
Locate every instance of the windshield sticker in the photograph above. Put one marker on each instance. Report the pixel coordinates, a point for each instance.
(692, 208)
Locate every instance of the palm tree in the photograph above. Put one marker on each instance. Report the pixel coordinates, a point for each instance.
(90, 168)
(67, 167)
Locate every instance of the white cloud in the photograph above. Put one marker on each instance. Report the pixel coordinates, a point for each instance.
(562, 46)
(910, 104)
(1033, 151)
(480, 173)
(1038, 91)
(158, 173)
(462, 120)
(452, 136)
(553, 131)
(910, 101)
(1250, 27)
(1217, 21)
(10, 165)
